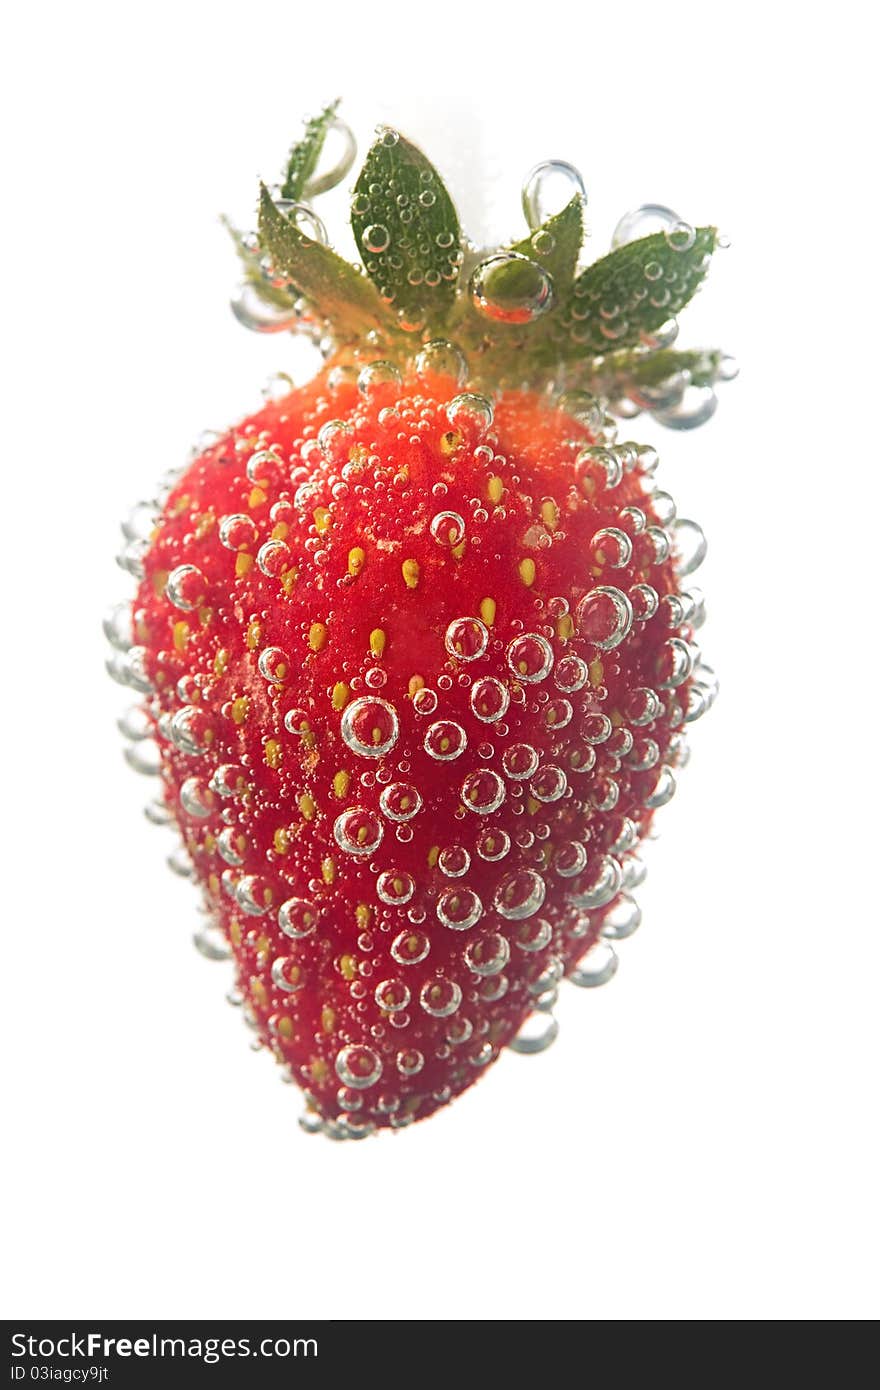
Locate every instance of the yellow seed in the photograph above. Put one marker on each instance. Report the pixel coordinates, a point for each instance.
(616, 718)
(243, 564)
(240, 706)
(532, 806)
(328, 1019)
(565, 627)
(527, 571)
(213, 880)
(181, 504)
(416, 683)
(411, 1105)
(450, 441)
(318, 1070)
(348, 966)
(285, 1025)
(288, 579)
(411, 571)
(596, 672)
(356, 560)
(210, 843)
(328, 870)
(323, 519)
(257, 497)
(205, 616)
(280, 531)
(341, 781)
(281, 840)
(221, 661)
(258, 991)
(358, 454)
(377, 642)
(181, 633)
(204, 525)
(317, 637)
(160, 579)
(273, 753)
(550, 514)
(495, 489)
(254, 635)
(263, 952)
(235, 931)
(488, 609)
(339, 697)
(433, 856)
(362, 915)
(458, 550)
(306, 806)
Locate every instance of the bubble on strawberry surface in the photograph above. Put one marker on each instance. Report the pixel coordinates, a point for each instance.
(644, 602)
(197, 799)
(400, 801)
(510, 288)
(466, 639)
(439, 357)
(530, 657)
(424, 701)
(571, 674)
(596, 968)
(693, 408)
(191, 731)
(459, 908)
(144, 757)
(374, 377)
(598, 470)
(622, 918)
(185, 587)
(392, 996)
(482, 791)
(447, 528)
(644, 221)
(612, 547)
(297, 918)
(376, 238)
(536, 1034)
(454, 861)
(470, 415)
(274, 665)
(141, 521)
(664, 790)
(274, 558)
(410, 947)
(604, 617)
(558, 714)
(597, 885)
(409, 1061)
(395, 888)
(237, 531)
(358, 1066)
(131, 558)
(546, 191)
(440, 997)
(287, 974)
(520, 894)
(230, 846)
(445, 740)
(358, 830)
(487, 954)
(570, 859)
(689, 545)
(673, 664)
(118, 627)
(253, 894)
(493, 844)
(135, 723)
(533, 934)
(549, 783)
(370, 726)
(489, 699)
(459, 1031)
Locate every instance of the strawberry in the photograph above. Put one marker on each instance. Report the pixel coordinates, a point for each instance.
(412, 640)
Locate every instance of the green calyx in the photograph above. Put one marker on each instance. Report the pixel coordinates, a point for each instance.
(525, 314)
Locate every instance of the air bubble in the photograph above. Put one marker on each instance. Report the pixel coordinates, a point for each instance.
(400, 801)
(520, 895)
(459, 908)
(358, 831)
(490, 699)
(604, 617)
(482, 791)
(510, 288)
(445, 740)
(358, 1066)
(370, 727)
(466, 639)
(530, 657)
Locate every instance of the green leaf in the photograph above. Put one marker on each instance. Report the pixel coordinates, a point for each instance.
(633, 291)
(337, 292)
(250, 261)
(556, 244)
(407, 232)
(303, 158)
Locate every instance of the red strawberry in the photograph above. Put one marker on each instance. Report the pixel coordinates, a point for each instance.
(418, 665)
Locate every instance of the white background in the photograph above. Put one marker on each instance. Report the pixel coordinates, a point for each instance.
(702, 1140)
